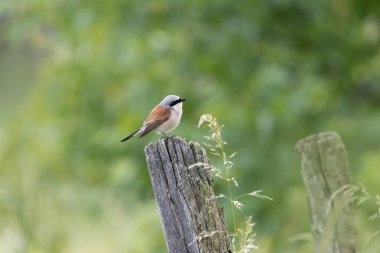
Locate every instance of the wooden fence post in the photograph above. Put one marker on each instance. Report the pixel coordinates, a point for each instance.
(325, 174)
(191, 220)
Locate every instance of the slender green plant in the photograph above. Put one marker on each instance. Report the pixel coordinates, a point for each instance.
(243, 239)
(357, 194)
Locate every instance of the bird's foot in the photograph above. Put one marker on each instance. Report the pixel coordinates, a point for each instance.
(164, 135)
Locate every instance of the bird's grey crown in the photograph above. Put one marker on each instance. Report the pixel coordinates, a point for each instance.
(168, 100)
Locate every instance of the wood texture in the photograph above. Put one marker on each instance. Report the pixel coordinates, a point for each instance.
(325, 173)
(191, 220)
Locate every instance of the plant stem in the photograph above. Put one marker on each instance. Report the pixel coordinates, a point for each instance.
(232, 205)
(221, 143)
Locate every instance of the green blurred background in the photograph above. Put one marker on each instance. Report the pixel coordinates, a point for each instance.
(77, 76)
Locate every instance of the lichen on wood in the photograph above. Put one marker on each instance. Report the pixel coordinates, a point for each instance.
(324, 170)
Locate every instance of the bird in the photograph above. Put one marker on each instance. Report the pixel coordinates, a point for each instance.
(164, 118)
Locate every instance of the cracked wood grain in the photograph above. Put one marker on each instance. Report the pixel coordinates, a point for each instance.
(184, 195)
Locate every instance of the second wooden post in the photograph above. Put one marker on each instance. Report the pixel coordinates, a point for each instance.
(325, 173)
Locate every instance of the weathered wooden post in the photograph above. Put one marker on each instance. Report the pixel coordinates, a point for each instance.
(325, 173)
(191, 220)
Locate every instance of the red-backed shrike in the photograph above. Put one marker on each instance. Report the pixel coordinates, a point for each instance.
(164, 118)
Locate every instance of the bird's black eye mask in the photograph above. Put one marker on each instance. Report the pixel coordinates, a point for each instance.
(177, 102)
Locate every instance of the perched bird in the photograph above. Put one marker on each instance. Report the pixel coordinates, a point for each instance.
(164, 118)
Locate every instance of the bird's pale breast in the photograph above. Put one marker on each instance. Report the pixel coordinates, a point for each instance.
(173, 121)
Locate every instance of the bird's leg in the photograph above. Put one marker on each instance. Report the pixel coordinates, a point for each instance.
(164, 135)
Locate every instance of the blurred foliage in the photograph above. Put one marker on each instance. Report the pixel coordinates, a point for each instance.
(76, 76)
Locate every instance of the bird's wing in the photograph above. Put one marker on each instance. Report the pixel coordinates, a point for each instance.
(156, 117)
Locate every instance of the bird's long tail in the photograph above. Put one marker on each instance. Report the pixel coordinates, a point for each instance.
(131, 135)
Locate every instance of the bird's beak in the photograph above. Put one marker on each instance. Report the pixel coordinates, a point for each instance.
(182, 99)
